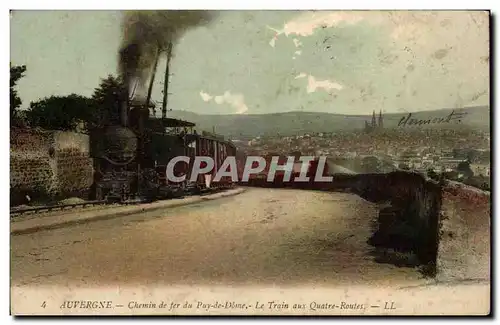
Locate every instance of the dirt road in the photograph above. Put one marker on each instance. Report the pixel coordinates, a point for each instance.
(287, 247)
(262, 236)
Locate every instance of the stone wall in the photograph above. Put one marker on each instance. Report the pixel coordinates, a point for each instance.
(465, 243)
(48, 165)
(73, 162)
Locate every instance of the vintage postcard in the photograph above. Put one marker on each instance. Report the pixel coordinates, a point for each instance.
(250, 162)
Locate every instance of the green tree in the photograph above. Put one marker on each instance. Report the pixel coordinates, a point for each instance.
(61, 112)
(108, 98)
(16, 73)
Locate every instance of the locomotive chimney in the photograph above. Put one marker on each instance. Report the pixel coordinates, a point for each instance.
(165, 84)
(152, 80)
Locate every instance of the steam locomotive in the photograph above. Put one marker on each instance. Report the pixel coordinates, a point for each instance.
(131, 154)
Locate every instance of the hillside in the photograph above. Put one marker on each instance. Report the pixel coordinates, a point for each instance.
(292, 123)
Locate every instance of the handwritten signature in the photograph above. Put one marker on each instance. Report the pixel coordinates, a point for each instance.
(453, 116)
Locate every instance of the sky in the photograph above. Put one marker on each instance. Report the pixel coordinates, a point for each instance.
(253, 62)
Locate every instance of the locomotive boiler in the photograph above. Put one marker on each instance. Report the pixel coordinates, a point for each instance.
(131, 157)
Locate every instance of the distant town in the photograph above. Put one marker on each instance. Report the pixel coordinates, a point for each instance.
(457, 154)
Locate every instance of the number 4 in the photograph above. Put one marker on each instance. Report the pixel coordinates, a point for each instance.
(44, 305)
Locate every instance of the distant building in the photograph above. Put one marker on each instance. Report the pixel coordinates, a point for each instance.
(374, 126)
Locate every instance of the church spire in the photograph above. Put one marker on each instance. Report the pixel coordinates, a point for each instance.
(380, 120)
(374, 120)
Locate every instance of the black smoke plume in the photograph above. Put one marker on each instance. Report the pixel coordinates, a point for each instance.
(144, 32)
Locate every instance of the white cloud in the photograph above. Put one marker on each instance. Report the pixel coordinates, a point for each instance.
(205, 96)
(313, 85)
(237, 101)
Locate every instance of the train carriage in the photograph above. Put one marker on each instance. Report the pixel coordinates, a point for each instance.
(215, 148)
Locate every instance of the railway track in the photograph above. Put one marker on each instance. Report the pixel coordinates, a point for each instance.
(56, 207)
(61, 207)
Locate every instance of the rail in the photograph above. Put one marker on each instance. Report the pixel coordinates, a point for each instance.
(18, 212)
(46, 208)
